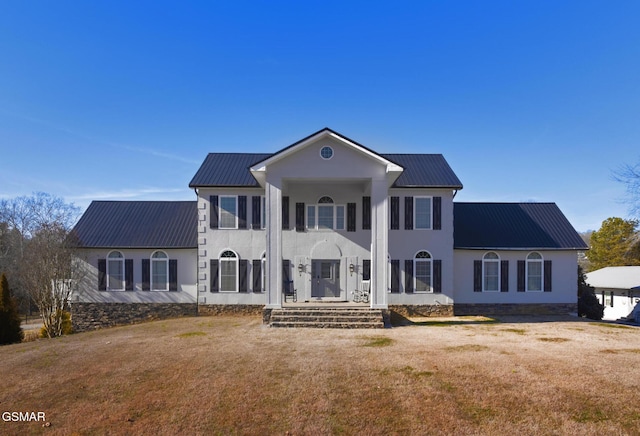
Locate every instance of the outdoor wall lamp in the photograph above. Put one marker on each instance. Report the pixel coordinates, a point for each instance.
(300, 268)
(351, 269)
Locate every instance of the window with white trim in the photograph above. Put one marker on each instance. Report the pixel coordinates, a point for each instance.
(423, 272)
(228, 212)
(228, 271)
(326, 152)
(325, 215)
(264, 212)
(159, 271)
(491, 272)
(534, 272)
(115, 271)
(422, 213)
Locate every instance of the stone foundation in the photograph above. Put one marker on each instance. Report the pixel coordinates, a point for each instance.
(230, 309)
(515, 309)
(93, 316)
(424, 310)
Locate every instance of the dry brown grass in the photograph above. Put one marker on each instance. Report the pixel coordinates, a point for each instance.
(231, 375)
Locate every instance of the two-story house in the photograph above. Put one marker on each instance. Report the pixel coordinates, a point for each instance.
(327, 220)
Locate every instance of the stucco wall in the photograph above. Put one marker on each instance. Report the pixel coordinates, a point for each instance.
(88, 286)
(564, 275)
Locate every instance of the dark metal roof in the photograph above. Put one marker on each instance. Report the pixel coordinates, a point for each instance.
(138, 224)
(513, 226)
(424, 170)
(228, 169)
(233, 170)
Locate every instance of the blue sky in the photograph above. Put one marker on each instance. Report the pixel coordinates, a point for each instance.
(527, 100)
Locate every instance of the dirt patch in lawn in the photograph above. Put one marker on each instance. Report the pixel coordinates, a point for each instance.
(232, 375)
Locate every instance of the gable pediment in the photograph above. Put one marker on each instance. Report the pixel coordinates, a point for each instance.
(326, 154)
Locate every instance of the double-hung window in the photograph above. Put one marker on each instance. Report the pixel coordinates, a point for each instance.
(228, 271)
(422, 212)
(115, 271)
(159, 271)
(422, 268)
(325, 215)
(228, 212)
(491, 272)
(534, 272)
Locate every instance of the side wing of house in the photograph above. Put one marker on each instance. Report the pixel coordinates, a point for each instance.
(137, 252)
(514, 254)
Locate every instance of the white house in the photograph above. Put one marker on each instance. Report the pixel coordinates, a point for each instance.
(328, 217)
(618, 289)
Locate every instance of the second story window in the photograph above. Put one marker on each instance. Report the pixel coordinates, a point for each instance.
(325, 215)
(228, 212)
(422, 212)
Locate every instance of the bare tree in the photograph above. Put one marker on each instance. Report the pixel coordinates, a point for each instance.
(50, 272)
(629, 175)
(40, 253)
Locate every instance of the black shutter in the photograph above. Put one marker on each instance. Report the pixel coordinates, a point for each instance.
(299, 217)
(146, 275)
(213, 222)
(242, 271)
(102, 274)
(128, 274)
(285, 213)
(286, 276)
(395, 276)
(256, 212)
(173, 274)
(395, 213)
(521, 276)
(547, 276)
(408, 213)
(256, 267)
(408, 276)
(242, 211)
(366, 213)
(437, 276)
(215, 286)
(504, 276)
(477, 276)
(366, 269)
(351, 217)
(437, 213)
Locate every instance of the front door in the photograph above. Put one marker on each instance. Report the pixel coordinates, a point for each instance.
(325, 277)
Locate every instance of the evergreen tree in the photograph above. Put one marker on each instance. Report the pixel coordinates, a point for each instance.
(588, 304)
(10, 331)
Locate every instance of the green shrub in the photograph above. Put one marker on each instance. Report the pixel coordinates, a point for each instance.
(588, 304)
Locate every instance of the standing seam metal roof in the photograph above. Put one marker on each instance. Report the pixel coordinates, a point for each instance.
(233, 170)
(138, 224)
(513, 226)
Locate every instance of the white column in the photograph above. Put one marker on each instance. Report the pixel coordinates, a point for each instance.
(379, 243)
(273, 201)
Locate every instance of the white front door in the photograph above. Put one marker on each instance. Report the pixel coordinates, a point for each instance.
(325, 280)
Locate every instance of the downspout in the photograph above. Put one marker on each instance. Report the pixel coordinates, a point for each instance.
(195, 190)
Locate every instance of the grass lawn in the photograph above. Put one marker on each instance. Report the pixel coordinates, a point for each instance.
(232, 375)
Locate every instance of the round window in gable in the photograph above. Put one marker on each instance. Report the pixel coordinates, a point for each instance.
(326, 152)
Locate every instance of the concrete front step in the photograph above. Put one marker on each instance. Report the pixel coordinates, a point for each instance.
(327, 318)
